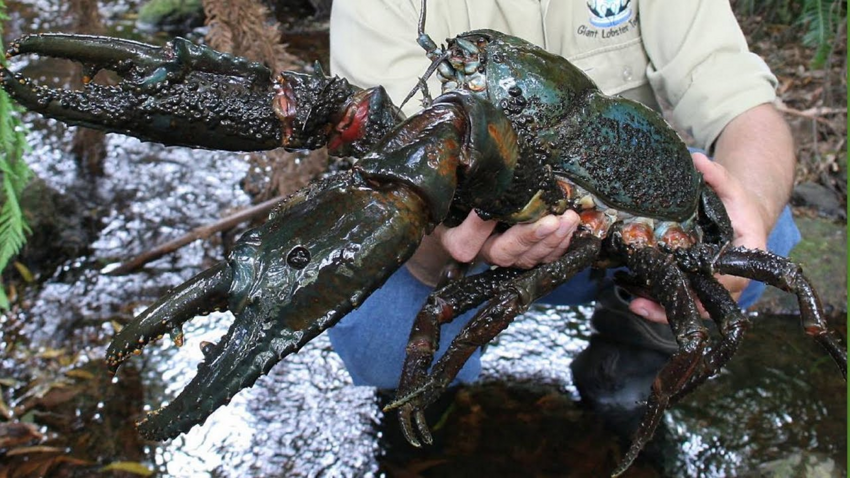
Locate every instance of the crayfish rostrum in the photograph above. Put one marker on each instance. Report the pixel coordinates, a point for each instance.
(517, 133)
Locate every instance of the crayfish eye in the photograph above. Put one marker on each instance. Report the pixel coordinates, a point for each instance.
(298, 257)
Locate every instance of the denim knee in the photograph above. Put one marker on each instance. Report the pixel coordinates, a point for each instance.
(372, 339)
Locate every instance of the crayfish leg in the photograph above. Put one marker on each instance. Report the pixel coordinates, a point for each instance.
(442, 307)
(783, 274)
(731, 322)
(669, 286)
(513, 291)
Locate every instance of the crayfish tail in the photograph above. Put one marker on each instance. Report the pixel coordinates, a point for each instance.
(204, 293)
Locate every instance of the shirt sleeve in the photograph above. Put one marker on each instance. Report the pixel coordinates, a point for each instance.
(371, 44)
(700, 64)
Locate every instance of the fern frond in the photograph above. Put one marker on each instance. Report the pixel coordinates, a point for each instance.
(16, 174)
(821, 19)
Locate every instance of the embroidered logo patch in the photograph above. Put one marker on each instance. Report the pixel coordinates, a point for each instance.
(608, 13)
(609, 20)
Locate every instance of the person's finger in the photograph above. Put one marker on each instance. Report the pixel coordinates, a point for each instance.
(464, 242)
(648, 309)
(570, 221)
(718, 177)
(743, 209)
(506, 248)
(553, 246)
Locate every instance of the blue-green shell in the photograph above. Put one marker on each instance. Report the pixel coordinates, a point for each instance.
(618, 149)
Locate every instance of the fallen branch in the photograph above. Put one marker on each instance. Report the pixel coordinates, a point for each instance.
(816, 114)
(202, 232)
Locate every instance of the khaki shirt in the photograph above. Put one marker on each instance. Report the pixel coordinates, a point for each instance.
(688, 54)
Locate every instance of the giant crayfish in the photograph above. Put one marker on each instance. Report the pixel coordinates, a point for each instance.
(516, 134)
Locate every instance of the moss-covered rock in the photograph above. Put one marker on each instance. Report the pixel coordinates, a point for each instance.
(171, 15)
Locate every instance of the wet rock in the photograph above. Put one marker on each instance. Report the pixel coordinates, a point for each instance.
(801, 465)
(61, 227)
(820, 199)
(172, 16)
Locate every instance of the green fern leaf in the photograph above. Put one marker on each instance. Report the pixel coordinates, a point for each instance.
(821, 19)
(16, 174)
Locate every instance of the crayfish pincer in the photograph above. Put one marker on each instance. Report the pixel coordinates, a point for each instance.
(293, 277)
(518, 133)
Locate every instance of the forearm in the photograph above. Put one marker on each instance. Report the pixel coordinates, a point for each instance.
(757, 148)
(429, 260)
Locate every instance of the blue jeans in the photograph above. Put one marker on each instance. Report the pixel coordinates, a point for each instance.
(371, 340)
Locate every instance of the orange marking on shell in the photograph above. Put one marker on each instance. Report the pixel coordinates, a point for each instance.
(595, 222)
(505, 142)
(445, 159)
(638, 234)
(676, 238)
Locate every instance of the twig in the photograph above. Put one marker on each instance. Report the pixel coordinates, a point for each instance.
(815, 113)
(837, 40)
(202, 232)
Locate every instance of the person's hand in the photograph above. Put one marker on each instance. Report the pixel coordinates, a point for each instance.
(522, 245)
(749, 227)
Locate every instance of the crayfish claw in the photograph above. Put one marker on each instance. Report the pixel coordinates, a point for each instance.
(285, 283)
(409, 414)
(407, 429)
(202, 294)
(406, 425)
(86, 49)
(411, 409)
(422, 426)
(180, 94)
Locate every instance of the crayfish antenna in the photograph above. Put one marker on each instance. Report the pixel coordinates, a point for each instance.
(435, 53)
(424, 39)
(422, 83)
